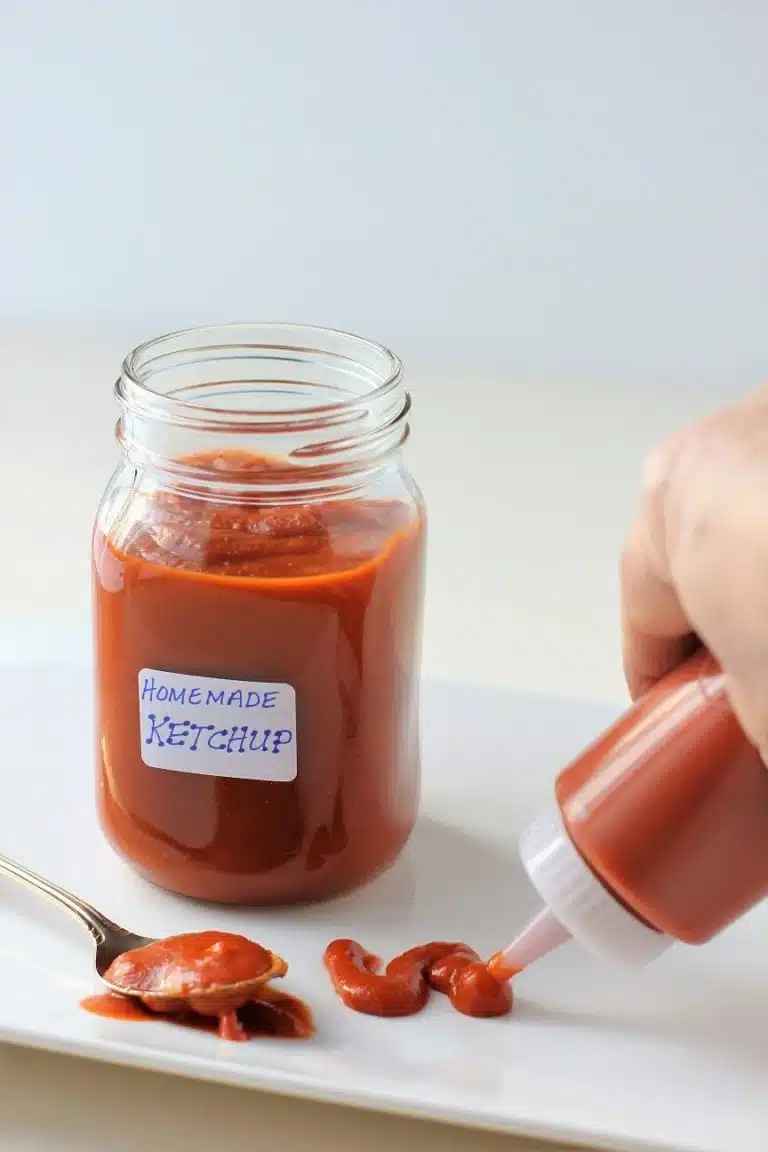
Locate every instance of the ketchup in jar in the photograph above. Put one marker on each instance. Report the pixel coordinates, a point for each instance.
(258, 566)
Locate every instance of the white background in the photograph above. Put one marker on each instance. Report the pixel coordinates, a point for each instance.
(561, 188)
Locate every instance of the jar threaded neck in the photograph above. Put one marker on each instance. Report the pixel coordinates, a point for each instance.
(330, 404)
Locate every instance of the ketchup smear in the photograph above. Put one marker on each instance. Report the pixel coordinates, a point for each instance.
(274, 1015)
(403, 988)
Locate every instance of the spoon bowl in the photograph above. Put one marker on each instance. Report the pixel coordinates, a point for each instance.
(115, 942)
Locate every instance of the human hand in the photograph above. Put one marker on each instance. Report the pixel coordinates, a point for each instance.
(695, 567)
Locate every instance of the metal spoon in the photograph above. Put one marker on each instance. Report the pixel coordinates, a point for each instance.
(112, 941)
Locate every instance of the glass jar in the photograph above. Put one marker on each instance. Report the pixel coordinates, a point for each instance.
(258, 563)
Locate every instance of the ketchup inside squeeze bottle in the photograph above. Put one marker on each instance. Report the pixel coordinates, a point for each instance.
(659, 831)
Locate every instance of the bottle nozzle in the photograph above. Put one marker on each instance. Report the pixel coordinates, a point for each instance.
(542, 935)
(576, 904)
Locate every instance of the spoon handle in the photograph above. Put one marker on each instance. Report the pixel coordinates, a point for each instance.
(98, 926)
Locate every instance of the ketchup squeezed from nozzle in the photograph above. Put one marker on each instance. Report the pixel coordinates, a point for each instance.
(668, 812)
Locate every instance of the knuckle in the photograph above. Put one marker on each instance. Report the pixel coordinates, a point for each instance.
(647, 544)
(659, 464)
(629, 557)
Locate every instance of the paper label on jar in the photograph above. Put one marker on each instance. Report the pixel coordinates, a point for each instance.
(242, 729)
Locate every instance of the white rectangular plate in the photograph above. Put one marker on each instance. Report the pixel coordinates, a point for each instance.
(673, 1058)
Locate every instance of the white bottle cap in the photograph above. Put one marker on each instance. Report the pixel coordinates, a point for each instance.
(576, 900)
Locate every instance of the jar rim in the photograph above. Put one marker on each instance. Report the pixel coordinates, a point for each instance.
(213, 342)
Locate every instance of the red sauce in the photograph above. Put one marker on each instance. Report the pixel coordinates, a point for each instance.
(210, 973)
(324, 596)
(403, 988)
(500, 969)
(115, 1007)
(274, 1014)
(477, 993)
(192, 963)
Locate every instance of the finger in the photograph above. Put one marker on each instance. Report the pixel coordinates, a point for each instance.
(656, 631)
(708, 522)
